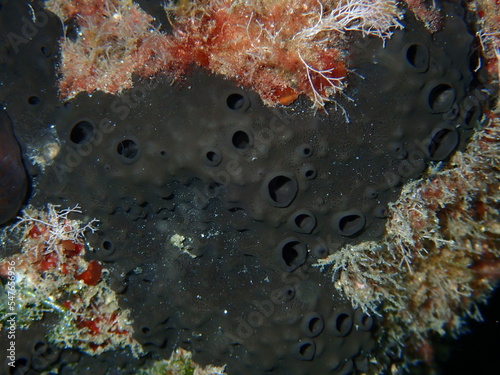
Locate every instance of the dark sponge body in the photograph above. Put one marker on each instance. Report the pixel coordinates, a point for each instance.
(13, 179)
(258, 193)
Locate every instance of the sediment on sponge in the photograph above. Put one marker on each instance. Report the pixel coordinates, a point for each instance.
(281, 49)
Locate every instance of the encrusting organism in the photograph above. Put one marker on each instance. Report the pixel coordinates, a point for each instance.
(181, 363)
(281, 49)
(51, 276)
(440, 255)
(488, 12)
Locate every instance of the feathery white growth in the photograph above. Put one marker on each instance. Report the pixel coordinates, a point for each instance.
(364, 275)
(57, 223)
(371, 17)
(336, 85)
(490, 41)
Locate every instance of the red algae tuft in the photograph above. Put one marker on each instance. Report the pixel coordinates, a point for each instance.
(281, 49)
(52, 276)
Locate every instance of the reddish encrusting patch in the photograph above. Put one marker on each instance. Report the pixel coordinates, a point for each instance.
(51, 268)
(258, 46)
(286, 96)
(486, 270)
(257, 49)
(91, 325)
(35, 232)
(66, 260)
(49, 261)
(92, 274)
(71, 249)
